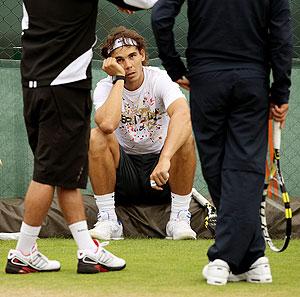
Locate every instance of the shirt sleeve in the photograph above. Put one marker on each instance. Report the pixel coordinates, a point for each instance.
(101, 92)
(168, 90)
(281, 50)
(163, 19)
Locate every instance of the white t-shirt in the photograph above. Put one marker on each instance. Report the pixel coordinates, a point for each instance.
(144, 120)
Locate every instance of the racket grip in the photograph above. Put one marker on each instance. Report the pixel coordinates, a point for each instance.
(276, 135)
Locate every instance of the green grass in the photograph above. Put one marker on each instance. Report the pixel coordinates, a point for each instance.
(154, 268)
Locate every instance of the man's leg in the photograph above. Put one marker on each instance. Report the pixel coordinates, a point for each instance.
(182, 173)
(92, 258)
(104, 157)
(26, 258)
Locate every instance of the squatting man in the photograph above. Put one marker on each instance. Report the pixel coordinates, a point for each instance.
(142, 150)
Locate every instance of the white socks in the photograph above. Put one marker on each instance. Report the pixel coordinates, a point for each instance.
(178, 203)
(27, 239)
(82, 236)
(107, 203)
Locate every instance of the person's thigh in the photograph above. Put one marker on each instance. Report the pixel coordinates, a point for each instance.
(60, 117)
(246, 144)
(208, 99)
(133, 181)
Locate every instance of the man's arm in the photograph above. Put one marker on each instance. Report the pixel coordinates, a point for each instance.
(163, 19)
(179, 130)
(281, 51)
(108, 116)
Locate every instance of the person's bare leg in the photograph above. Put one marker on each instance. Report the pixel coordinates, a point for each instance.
(91, 255)
(71, 203)
(183, 166)
(37, 203)
(181, 180)
(104, 156)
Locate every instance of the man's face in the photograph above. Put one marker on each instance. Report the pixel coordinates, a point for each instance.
(131, 59)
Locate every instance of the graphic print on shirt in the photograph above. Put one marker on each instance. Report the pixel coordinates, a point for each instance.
(142, 121)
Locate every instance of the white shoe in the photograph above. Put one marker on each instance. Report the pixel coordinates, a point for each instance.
(17, 263)
(180, 227)
(216, 272)
(259, 272)
(99, 261)
(106, 229)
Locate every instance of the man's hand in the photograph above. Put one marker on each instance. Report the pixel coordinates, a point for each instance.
(184, 83)
(111, 67)
(279, 113)
(160, 174)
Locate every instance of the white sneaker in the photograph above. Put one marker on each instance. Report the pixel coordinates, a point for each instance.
(17, 263)
(180, 227)
(259, 272)
(106, 229)
(216, 272)
(99, 261)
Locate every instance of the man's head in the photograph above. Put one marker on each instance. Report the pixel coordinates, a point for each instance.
(121, 36)
(129, 50)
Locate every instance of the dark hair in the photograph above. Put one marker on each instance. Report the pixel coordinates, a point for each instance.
(122, 32)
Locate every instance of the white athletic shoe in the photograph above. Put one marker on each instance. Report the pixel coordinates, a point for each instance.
(17, 263)
(259, 272)
(99, 261)
(180, 227)
(216, 272)
(106, 229)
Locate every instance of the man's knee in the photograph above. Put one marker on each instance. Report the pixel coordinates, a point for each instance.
(99, 142)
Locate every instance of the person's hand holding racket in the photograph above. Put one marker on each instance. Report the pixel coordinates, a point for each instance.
(160, 174)
(279, 113)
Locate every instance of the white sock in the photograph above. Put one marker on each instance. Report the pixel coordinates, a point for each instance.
(178, 203)
(107, 203)
(27, 239)
(82, 236)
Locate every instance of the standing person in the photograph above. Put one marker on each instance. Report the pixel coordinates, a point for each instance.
(142, 151)
(57, 40)
(232, 45)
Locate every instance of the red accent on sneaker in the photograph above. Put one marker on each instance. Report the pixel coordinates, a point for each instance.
(28, 270)
(101, 268)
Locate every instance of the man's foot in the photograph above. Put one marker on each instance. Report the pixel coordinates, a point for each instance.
(17, 263)
(259, 272)
(216, 272)
(106, 229)
(99, 261)
(180, 227)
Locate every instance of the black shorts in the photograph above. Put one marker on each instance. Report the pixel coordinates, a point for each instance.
(133, 181)
(57, 120)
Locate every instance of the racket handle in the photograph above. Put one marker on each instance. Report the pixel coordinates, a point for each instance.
(276, 135)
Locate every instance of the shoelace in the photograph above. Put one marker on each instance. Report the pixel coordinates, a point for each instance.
(37, 259)
(105, 256)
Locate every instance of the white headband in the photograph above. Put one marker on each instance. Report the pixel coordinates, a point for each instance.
(122, 42)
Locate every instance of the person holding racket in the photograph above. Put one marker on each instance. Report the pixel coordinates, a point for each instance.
(142, 150)
(232, 46)
(57, 42)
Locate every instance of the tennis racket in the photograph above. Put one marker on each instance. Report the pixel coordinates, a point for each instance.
(211, 217)
(274, 189)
